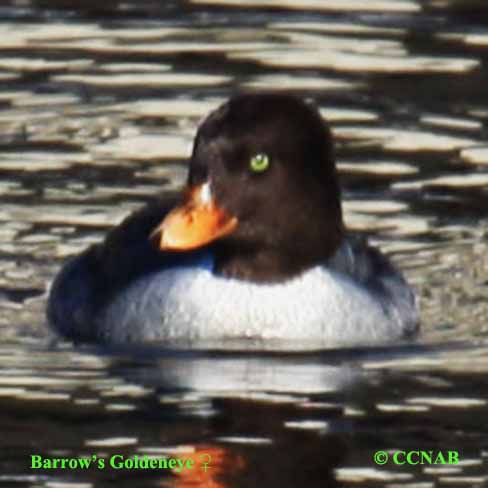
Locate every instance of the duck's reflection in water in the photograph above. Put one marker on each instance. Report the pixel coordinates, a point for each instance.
(240, 371)
(282, 465)
(255, 419)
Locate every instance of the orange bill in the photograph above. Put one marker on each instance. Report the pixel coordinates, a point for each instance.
(194, 224)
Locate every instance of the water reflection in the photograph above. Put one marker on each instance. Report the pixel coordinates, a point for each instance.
(108, 405)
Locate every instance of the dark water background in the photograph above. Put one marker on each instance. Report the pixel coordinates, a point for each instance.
(99, 102)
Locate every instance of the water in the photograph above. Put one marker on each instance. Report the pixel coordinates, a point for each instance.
(99, 103)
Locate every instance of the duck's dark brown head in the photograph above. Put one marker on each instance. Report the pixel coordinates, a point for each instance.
(262, 190)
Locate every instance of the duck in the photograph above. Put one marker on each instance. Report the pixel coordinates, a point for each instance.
(253, 249)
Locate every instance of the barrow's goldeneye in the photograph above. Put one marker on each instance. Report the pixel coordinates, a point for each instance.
(254, 248)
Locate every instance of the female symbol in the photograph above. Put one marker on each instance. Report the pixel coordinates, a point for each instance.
(205, 456)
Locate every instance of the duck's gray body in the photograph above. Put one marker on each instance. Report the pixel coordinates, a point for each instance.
(356, 298)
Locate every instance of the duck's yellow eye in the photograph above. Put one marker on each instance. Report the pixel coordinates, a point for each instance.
(259, 163)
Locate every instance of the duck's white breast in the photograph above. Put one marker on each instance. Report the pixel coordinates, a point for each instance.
(193, 303)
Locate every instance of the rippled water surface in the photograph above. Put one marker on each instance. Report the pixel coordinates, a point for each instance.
(99, 102)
